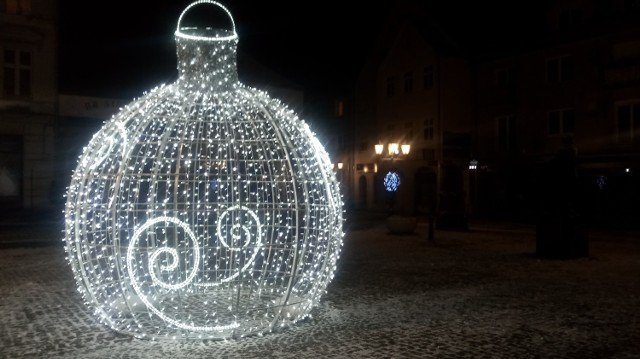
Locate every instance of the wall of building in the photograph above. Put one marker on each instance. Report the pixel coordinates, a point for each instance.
(604, 61)
(28, 116)
(515, 94)
(419, 94)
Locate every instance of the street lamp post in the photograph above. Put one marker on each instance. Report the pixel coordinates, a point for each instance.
(473, 166)
(394, 151)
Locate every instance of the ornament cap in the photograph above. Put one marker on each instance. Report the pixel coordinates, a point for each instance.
(206, 34)
(207, 57)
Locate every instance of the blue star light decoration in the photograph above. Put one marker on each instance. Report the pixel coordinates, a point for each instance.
(391, 181)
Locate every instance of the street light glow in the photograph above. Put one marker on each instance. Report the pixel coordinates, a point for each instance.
(379, 148)
(393, 149)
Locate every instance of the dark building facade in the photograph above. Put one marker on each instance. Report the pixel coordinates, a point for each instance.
(414, 90)
(43, 128)
(28, 102)
(484, 128)
(575, 87)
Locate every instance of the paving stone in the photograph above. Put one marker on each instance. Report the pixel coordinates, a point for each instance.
(475, 294)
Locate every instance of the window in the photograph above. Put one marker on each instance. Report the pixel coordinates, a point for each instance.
(391, 88)
(559, 69)
(504, 78)
(626, 51)
(569, 18)
(428, 154)
(17, 73)
(506, 133)
(408, 82)
(628, 122)
(408, 126)
(10, 167)
(364, 146)
(428, 129)
(561, 121)
(427, 77)
(340, 142)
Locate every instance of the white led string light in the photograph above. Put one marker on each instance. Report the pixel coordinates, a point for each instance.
(204, 209)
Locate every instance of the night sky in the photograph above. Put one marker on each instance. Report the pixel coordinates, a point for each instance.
(121, 48)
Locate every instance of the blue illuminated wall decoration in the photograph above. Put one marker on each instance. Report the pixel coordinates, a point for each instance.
(391, 181)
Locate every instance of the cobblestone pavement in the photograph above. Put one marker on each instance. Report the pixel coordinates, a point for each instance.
(475, 294)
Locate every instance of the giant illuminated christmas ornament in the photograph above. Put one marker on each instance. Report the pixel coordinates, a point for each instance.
(204, 209)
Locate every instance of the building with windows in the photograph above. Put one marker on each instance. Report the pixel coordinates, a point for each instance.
(28, 102)
(483, 128)
(575, 86)
(42, 131)
(415, 89)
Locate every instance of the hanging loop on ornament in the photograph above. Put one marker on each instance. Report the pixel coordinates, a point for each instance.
(179, 29)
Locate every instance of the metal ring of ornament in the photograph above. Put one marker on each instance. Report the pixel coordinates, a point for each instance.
(179, 33)
(119, 137)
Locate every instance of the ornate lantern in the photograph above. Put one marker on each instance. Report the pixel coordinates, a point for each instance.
(204, 209)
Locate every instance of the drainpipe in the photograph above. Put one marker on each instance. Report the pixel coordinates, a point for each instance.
(440, 142)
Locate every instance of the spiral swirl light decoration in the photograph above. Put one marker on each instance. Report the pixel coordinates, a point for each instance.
(204, 209)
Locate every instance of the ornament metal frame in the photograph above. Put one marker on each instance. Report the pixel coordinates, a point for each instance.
(205, 208)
